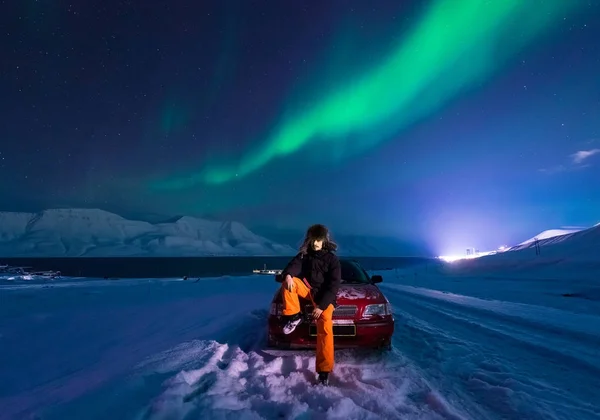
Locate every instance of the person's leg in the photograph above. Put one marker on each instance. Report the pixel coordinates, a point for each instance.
(325, 352)
(291, 304)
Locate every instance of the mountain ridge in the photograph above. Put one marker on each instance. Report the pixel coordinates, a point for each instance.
(96, 232)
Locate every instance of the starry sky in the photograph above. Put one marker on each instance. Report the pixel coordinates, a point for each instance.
(458, 122)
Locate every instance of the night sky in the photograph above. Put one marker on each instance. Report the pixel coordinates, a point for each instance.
(459, 122)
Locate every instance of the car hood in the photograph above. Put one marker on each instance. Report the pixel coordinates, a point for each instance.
(359, 292)
(351, 294)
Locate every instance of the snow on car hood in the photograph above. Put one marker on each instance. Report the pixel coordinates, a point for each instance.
(359, 292)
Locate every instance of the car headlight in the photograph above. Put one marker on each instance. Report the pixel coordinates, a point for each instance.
(377, 309)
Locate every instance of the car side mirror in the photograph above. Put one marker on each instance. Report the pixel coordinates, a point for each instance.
(376, 279)
(278, 278)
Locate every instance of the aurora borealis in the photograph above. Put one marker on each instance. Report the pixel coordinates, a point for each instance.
(469, 38)
(454, 121)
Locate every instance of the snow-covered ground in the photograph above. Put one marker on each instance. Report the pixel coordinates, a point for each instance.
(464, 347)
(516, 348)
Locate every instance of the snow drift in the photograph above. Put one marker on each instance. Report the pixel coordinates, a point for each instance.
(94, 233)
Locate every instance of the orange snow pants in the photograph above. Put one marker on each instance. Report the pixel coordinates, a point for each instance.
(291, 306)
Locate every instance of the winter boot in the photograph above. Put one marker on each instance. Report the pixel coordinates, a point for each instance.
(292, 323)
(324, 378)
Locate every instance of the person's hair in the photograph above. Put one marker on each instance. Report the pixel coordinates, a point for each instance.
(317, 233)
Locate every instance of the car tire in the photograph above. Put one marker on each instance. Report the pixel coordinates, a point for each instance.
(387, 346)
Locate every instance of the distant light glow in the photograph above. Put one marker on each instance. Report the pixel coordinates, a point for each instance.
(478, 254)
(452, 258)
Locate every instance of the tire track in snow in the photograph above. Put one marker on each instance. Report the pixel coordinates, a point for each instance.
(508, 367)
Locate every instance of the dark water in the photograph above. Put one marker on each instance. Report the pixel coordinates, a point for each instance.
(131, 267)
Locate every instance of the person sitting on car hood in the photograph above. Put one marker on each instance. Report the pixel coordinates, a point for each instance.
(314, 273)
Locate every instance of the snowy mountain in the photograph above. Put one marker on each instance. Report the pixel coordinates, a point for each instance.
(94, 232)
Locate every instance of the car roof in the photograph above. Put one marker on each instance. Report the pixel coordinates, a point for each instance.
(349, 261)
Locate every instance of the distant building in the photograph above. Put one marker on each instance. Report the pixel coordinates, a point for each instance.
(472, 252)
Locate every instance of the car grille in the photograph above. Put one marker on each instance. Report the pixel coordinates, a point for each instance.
(338, 330)
(345, 311)
(342, 311)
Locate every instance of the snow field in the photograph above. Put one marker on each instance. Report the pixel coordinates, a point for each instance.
(153, 349)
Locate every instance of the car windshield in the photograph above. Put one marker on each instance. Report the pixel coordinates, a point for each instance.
(352, 273)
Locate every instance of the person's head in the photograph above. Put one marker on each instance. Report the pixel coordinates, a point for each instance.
(317, 238)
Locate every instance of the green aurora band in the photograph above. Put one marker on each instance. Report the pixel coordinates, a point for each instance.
(456, 45)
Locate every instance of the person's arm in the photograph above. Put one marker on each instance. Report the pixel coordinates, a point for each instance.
(331, 287)
(294, 267)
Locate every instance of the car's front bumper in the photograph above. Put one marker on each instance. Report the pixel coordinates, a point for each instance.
(368, 334)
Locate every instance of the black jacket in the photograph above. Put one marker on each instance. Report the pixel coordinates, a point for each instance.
(323, 272)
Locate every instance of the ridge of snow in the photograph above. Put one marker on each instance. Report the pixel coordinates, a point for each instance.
(571, 243)
(551, 233)
(96, 232)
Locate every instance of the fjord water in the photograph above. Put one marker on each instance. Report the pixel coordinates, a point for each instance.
(161, 267)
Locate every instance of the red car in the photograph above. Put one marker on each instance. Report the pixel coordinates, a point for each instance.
(362, 319)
